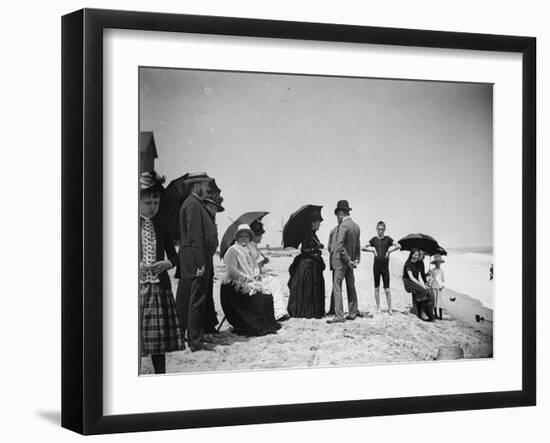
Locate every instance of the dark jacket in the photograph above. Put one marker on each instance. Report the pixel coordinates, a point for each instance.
(198, 236)
(164, 246)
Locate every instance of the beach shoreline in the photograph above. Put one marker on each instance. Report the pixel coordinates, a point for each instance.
(465, 308)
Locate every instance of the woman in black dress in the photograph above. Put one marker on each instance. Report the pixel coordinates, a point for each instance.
(306, 283)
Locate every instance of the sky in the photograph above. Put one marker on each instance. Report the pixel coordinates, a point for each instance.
(416, 154)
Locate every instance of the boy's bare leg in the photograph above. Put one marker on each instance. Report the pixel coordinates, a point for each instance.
(377, 298)
(388, 299)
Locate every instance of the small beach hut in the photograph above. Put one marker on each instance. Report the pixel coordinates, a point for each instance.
(147, 151)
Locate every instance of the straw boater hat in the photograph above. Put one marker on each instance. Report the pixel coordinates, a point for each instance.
(209, 201)
(197, 177)
(244, 228)
(437, 259)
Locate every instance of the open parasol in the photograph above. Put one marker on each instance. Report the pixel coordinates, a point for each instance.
(229, 236)
(426, 243)
(173, 197)
(298, 224)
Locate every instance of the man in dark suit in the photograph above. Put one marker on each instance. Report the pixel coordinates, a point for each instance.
(345, 254)
(198, 243)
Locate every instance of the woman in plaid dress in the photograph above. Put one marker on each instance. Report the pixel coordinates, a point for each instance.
(159, 329)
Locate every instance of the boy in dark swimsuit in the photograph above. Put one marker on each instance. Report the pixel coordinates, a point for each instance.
(382, 246)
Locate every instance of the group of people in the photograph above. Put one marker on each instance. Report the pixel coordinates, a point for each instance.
(307, 286)
(252, 298)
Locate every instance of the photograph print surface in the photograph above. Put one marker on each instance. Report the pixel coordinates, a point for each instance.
(296, 221)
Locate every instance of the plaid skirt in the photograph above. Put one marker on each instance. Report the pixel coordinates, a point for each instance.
(159, 328)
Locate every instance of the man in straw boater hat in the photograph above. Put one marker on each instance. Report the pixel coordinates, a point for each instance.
(198, 243)
(345, 254)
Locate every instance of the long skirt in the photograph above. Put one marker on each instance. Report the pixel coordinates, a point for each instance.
(307, 289)
(249, 315)
(159, 327)
(423, 299)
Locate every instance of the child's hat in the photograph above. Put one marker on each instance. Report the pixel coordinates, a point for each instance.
(244, 228)
(437, 259)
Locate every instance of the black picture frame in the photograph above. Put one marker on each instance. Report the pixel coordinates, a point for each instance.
(82, 215)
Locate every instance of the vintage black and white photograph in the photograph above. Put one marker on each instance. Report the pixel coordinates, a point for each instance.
(298, 221)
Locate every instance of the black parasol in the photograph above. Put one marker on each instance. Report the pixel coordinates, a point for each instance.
(229, 236)
(298, 225)
(424, 242)
(173, 197)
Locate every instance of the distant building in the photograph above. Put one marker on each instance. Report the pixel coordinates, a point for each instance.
(147, 151)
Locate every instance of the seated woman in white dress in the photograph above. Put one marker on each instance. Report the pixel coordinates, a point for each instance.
(246, 306)
(270, 284)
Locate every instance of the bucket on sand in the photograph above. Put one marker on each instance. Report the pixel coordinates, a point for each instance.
(449, 353)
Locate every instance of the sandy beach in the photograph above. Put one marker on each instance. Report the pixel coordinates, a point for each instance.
(372, 339)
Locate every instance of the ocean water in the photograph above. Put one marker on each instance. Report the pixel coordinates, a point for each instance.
(468, 271)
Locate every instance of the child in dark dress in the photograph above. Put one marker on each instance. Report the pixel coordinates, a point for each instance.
(159, 329)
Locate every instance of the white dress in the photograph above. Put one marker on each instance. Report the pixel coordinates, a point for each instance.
(269, 283)
(436, 280)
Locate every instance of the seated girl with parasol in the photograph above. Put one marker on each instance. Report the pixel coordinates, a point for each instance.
(247, 308)
(414, 284)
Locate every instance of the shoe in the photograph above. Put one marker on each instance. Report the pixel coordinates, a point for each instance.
(336, 320)
(349, 317)
(284, 318)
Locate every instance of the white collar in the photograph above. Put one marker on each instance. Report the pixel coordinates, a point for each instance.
(346, 217)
